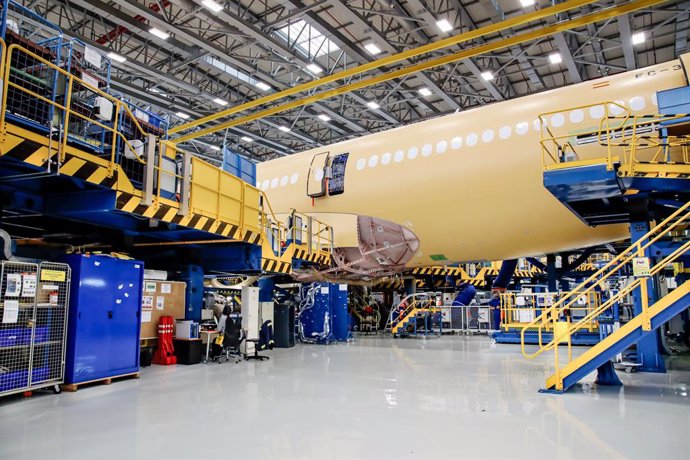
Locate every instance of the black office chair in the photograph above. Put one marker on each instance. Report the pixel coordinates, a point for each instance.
(233, 337)
(264, 342)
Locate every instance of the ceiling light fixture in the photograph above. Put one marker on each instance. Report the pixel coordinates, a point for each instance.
(116, 57)
(182, 115)
(159, 33)
(526, 3)
(313, 68)
(373, 105)
(247, 139)
(555, 58)
(324, 117)
(262, 86)
(639, 37)
(220, 101)
(444, 25)
(284, 129)
(488, 76)
(213, 6)
(426, 92)
(372, 48)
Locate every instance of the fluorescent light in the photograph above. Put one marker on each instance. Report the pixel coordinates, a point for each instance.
(284, 129)
(220, 101)
(555, 58)
(116, 57)
(154, 90)
(638, 37)
(444, 25)
(159, 33)
(247, 139)
(426, 92)
(214, 147)
(324, 117)
(313, 68)
(526, 3)
(488, 76)
(373, 105)
(262, 86)
(213, 6)
(372, 48)
(182, 115)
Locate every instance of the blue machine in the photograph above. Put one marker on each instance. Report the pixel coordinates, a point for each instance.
(104, 317)
(324, 317)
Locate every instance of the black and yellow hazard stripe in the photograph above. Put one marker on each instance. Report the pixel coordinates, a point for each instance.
(30, 148)
(275, 266)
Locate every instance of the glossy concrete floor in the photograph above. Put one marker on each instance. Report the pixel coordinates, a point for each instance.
(454, 397)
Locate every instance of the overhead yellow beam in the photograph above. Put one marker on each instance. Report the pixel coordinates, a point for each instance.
(388, 60)
(478, 50)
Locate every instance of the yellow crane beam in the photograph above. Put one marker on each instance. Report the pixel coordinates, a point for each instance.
(388, 60)
(478, 50)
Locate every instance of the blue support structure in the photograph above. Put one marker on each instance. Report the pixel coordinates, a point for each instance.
(193, 275)
(649, 346)
(266, 286)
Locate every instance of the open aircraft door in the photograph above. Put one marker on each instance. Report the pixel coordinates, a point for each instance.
(317, 184)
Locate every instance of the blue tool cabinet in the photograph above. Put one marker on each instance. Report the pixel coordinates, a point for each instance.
(104, 318)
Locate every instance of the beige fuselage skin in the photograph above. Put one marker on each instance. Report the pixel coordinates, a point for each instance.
(469, 184)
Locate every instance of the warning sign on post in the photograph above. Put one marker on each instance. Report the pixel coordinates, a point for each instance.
(641, 267)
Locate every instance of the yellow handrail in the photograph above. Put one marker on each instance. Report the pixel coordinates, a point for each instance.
(320, 235)
(635, 250)
(67, 107)
(561, 143)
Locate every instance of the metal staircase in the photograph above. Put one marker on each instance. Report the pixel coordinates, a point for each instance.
(555, 318)
(408, 310)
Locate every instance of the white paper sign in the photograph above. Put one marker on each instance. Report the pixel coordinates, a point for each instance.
(92, 56)
(14, 285)
(28, 285)
(160, 302)
(145, 316)
(89, 79)
(147, 303)
(342, 287)
(10, 313)
(166, 288)
(50, 287)
(149, 287)
(324, 289)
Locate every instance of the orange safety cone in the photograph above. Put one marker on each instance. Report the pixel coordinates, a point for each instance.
(165, 352)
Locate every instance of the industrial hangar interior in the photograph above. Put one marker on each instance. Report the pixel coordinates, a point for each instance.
(344, 229)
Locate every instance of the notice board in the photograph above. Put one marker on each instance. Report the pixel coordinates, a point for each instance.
(160, 298)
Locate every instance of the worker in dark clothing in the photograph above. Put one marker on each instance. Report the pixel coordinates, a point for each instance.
(495, 310)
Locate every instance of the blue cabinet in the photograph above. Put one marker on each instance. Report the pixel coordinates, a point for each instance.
(104, 317)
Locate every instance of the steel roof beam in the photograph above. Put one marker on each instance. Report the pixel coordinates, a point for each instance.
(626, 41)
(567, 55)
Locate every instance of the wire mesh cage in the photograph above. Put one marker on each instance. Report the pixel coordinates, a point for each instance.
(34, 319)
(32, 81)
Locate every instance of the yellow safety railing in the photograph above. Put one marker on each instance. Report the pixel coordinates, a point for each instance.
(16, 53)
(213, 193)
(632, 142)
(519, 309)
(316, 235)
(3, 52)
(553, 318)
(644, 149)
(410, 306)
(558, 149)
